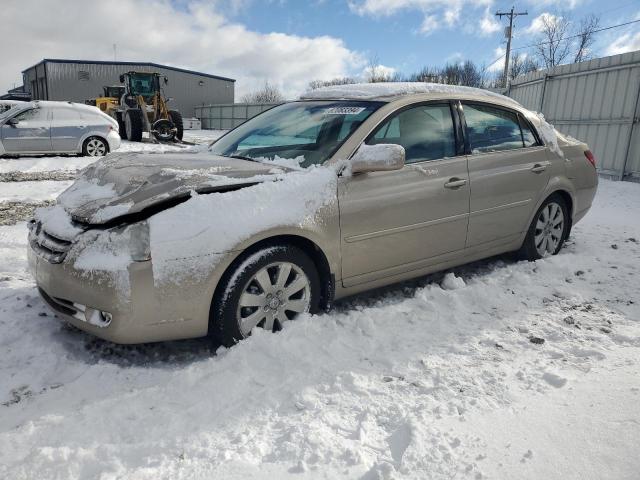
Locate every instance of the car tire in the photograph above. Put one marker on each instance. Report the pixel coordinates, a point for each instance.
(548, 230)
(95, 147)
(176, 118)
(264, 289)
(133, 124)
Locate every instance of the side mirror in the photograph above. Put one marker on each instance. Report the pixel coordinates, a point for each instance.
(378, 158)
(13, 121)
(121, 78)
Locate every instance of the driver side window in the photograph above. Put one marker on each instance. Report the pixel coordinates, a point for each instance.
(35, 114)
(426, 132)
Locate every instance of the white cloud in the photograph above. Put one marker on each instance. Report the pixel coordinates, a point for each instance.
(498, 65)
(628, 42)
(489, 25)
(537, 23)
(429, 24)
(188, 34)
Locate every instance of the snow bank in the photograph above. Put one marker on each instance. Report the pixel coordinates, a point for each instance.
(364, 91)
(185, 239)
(412, 382)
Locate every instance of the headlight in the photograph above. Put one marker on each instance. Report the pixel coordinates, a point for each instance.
(139, 247)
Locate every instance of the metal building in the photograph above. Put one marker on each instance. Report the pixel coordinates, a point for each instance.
(79, 80)
(596, 101)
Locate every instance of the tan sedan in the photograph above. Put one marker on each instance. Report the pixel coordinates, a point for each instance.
(346, 190)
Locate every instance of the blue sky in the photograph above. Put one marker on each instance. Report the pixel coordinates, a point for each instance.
(286, 42)
(395, 36)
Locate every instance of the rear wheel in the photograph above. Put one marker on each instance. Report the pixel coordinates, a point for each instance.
(265, 290)
(176, 118)
(95, 147)
(548, 230)
(133, 124)
(122, 130)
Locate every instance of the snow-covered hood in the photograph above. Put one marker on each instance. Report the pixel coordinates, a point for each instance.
(129, 183)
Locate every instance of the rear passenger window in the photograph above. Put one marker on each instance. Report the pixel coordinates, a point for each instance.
(527, 135)
(426, 133)
(492, 129)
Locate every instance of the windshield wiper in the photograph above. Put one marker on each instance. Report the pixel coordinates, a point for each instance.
(242, 157)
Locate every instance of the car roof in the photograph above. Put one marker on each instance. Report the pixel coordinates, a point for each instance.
(391, 91)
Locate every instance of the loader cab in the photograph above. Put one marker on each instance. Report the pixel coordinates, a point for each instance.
(143, 84)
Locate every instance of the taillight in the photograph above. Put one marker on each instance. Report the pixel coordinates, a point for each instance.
(590, 157)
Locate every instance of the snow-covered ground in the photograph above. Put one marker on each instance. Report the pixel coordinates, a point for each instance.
(500, 369)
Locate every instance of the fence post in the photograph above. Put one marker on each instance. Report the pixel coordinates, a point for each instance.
(544, 89)
(634, 120)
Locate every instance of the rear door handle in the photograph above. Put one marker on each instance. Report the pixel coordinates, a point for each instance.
(538, 168)
(455, 183)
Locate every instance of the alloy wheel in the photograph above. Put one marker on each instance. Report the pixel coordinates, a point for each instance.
(96, 148)
(549, 229)
(275, 294)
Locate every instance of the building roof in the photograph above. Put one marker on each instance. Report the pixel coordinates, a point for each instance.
(145, 64)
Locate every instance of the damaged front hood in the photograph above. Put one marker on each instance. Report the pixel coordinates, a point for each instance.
(131, 183)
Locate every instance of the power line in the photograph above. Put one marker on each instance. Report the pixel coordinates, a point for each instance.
(568, 38)
(578, 35)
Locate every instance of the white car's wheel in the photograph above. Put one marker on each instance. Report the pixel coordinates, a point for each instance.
(95, 147)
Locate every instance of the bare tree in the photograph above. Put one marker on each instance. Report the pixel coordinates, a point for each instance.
(553, 47)
(586, 32)
(267, 94)
(521, 64)
(375, 73)
(315, 84)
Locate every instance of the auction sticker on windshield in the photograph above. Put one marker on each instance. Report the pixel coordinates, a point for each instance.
(344, 110)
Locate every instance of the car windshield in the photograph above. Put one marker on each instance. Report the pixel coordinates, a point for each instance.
(309, 132)
(11, 111)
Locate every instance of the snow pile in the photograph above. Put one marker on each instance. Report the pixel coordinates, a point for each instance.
(185, 238)
(84, 191)
(416, 381)
(57, 222)
(549, 134)
(364, 91)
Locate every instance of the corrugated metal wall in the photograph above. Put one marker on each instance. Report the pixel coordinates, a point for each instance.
(78, 82)
(596, 101)
(228, 116)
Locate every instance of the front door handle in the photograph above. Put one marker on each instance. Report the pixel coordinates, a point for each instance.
(538, 168)
(455, 183)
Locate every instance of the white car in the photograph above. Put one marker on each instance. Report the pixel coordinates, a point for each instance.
(45, 127)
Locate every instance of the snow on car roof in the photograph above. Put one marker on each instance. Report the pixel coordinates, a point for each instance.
(386, 90)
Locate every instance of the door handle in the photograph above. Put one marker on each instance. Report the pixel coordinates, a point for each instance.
(538, 168)
(455, 183)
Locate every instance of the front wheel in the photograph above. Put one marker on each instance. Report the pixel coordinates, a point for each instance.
(265, 290)
(548, 230)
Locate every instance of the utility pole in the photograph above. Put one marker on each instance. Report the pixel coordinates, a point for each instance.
(508, 33)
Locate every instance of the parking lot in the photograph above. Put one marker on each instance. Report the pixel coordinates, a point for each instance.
(498, 369)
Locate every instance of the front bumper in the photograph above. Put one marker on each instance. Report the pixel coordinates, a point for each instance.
(143, 313)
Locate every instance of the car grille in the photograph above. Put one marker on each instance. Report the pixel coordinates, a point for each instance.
(51, 248)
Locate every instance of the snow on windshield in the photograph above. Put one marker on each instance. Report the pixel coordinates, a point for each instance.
(363, 91)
